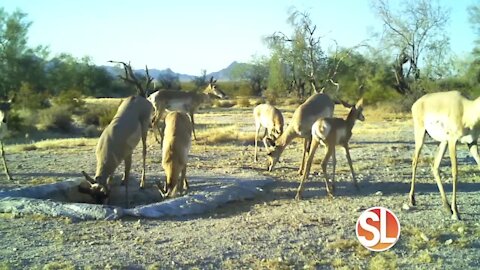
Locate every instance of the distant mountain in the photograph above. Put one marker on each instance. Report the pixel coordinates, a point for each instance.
(226, 73)
(221, 75)
(153, 72)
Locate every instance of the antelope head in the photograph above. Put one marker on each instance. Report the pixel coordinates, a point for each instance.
(273, 155)
(356, 111)
(94, 188)
(213, 90)
(5, 107)
(359, 110)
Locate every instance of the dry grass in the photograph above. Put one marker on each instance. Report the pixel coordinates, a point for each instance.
(274, 263)
(290, 101)
(103, 101)
(52, 144)
(256, 101)
(383, 260)
(41, 181)
(243, 102)
(229, 134)
(386, 111)
(219, 103)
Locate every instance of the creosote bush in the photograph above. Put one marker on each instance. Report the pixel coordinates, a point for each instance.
(15, 122)
(98, 115)
(55, 118)
(71, 99)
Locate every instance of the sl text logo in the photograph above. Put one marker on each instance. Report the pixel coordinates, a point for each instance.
(378, 229)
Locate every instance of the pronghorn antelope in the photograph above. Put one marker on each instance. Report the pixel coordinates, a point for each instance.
(117, 142)
(175, 148)
(4, 109)
(447, 117)
(188, 102)
(271, 119)
(331, 132)
(317, 106)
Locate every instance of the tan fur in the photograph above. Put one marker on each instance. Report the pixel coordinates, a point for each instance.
(316, 106)
(119, 139)
(4, 109)
(447, 117)
(175, 100)
(331, 132)
(270, 118)
(175, 148)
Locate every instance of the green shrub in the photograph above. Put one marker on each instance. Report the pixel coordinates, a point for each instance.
(28, 98)
(15, 122)
(55, 118)
(90, 131)
(383, 261)
(90, 117)
(98, 115)
(71, 99)
(243, 89)
(271, 96)
(106, 117)
(29, 118)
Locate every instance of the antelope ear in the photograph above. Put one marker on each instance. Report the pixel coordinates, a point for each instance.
(359, 103)
(345, 104)
(163, 191)
(88, 178)
(211, 79)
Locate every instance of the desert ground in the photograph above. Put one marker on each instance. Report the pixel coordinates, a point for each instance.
(272, 231)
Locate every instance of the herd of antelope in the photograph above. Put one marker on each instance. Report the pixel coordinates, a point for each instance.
(447, 117)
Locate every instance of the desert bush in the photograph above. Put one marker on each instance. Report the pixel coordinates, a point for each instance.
(90, 117)
(291, 101)
(28, 98)
(270, 96)
(91, 131)
(55, 118)
(385, 260)
(243, 102)
(99, 115)
(243, 89)
(256, 101)
(71, 99)
(388, 107)
(106, 117)
(30, 119)
(16, 122)
(232, 88)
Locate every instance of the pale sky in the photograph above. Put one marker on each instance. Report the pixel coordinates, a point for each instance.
(188, 36)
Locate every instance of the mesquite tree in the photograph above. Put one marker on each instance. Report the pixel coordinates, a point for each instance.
(415, 36)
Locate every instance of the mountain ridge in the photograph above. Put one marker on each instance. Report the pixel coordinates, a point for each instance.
(224, 74)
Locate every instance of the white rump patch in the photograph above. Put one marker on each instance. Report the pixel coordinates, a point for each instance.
(467, 139)
(437, 128)
(321, 129)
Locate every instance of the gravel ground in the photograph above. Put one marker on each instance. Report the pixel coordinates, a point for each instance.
(272, 231)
